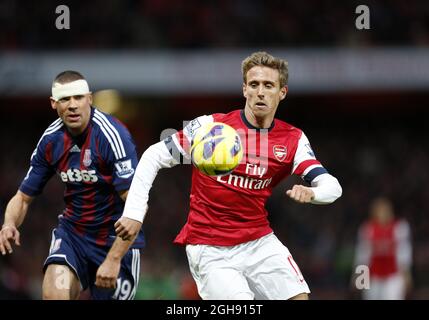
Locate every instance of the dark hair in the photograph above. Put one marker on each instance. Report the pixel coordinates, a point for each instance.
(68, 76)
(266, 60)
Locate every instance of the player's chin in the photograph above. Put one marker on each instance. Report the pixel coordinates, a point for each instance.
(73, 124)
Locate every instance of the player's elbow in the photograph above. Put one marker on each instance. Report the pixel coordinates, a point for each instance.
(159, 156)
(150, 153)
(338, 191)
(23, 198)
(149, 160)
(327, 189)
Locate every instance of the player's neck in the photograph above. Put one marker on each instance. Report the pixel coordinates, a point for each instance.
(258, 122)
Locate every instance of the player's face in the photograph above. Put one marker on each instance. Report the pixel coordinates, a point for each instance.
(75, 112)
(263, 92)
(382, 211)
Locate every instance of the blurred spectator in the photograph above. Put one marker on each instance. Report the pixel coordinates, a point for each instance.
(384, 245)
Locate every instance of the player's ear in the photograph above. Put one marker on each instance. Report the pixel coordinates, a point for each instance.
(283, 92)
(244, 90)
(53, 103)
(90, 98)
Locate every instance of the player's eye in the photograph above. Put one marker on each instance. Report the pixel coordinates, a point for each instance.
(65, 99)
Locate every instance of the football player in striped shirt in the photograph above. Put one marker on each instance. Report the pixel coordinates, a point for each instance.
(231, 248)
(95, 156)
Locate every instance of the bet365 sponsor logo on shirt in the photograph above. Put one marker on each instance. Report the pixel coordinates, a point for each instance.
(76, 175)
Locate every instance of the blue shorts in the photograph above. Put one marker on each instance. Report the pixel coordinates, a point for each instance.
(84, 259)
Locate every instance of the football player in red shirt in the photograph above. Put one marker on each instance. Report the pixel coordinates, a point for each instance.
(384, 246)
(231, 248)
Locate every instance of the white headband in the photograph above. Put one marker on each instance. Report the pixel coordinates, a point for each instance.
(74, 88)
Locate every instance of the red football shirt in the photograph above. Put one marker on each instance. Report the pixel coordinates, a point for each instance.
(383, 243)
(229, 210)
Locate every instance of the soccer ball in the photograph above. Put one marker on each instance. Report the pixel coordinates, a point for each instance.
(216, 149)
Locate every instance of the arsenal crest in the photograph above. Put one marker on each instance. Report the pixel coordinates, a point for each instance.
(279, 152)
(87, 158)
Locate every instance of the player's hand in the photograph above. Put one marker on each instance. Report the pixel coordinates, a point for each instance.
(127, 228)
(107, 274)
(8, 233)
(301, 194)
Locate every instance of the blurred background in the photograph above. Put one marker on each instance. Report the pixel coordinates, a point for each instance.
(361, 96)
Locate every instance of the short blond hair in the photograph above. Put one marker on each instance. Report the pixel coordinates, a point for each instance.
(264, 59)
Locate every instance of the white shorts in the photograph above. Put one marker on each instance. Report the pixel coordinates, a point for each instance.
(259, 269)
(390, 288)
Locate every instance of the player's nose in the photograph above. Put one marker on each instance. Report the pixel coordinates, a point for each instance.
(73, 103)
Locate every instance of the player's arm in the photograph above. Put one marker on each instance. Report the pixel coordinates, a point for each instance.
(39, 173)
(164, 154)
(153, 159)
(108, 271)
(324, 188)
(131, 226)
(404, 251)
(16, 211)
(363, 247)
(123, 160)
(404, 246)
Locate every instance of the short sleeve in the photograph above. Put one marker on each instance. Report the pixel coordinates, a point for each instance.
(40, 170)
(124, 161)
(305, 163)
(179, 144)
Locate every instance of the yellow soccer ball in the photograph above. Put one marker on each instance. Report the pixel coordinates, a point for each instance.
(216, 149)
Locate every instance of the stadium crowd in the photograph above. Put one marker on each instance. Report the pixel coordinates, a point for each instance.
(194, 24)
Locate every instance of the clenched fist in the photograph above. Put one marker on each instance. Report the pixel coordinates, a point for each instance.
(301, 194)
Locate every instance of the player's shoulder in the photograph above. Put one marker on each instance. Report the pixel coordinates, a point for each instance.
(283, 125)
(53, 132)
(402, 225)
(110, 131)
(214, 117)
(226, 117)
(286, 129)
(230, 117)
(107, 121)
(109, 127)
